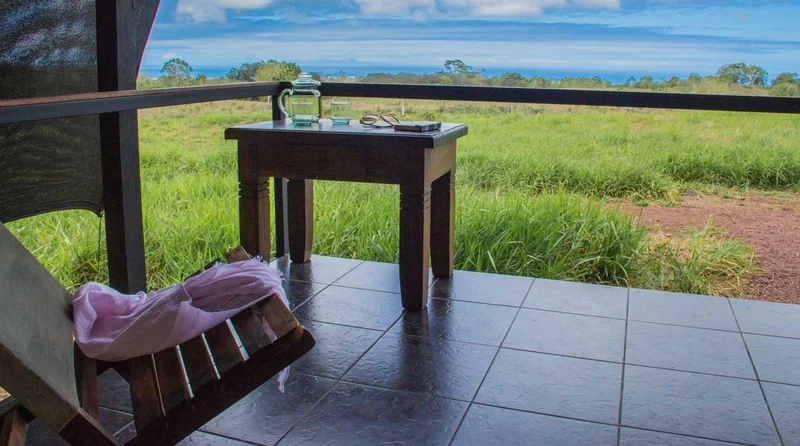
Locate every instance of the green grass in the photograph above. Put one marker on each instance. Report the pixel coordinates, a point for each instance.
(530, 198)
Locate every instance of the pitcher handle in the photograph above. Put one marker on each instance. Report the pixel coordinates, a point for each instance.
(280, 103)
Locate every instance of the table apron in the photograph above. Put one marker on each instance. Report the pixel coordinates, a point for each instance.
(338, 163)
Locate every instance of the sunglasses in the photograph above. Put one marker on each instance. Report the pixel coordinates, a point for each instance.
(376, 120)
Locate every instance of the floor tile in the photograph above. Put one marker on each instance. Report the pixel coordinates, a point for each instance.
(349, 306)
(338, 347)
(265, 415)
(767, 318)
(356, 415)
(482, 287)
(114, 392)
(458, 321)
(434, 366)
(204, 439)
(38, 434)
(320, 269)
(114, 420)
(555, 385)
(681, 309)
(376, 276)
(785, 404)
(638, 437)
(729, 409)
(691, 349)
(485, 425)
(568, 334)
(581, 298)
(775, 359)
(298, 292)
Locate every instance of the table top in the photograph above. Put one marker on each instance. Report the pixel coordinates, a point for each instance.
(354, 134)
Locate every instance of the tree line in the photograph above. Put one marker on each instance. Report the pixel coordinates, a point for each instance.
(735, 78)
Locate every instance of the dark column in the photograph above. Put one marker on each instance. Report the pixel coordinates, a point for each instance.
(117, 66)
(301, 219)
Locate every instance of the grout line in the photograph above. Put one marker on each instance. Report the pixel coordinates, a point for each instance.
(338, 381)
(309, 299)
(755, 370)
(770, 335)
(622, 379)
(488, 369)
(716, 440)
(218, 435)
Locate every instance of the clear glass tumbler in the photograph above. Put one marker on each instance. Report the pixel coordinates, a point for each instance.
(341, 112)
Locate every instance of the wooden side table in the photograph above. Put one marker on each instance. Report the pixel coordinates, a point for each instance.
(422, 164)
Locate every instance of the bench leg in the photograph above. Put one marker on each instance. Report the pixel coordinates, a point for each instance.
(415, 222)
(13, 428)
(301, 219)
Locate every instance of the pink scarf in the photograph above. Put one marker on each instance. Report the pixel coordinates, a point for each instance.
(112, 326)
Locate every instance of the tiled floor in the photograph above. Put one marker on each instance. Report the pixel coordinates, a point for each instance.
(513, 360)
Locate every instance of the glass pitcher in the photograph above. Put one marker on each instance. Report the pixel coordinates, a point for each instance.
(305, 101)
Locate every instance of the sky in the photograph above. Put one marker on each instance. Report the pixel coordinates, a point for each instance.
(554, 38)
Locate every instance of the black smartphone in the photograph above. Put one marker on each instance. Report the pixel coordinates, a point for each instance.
(419, 126)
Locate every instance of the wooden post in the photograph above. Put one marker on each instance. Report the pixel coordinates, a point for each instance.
(117, 66)
(281, 199)
(301, 219)
(443, 218)
(415, 222)
(254, 213)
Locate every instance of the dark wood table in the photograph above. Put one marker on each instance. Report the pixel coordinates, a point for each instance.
(422, 164)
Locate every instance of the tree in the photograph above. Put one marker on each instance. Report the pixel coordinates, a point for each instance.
(785, 89)
(457, 67)
(277, 71)
(791, 78)
(176, 70)
(512, 80)
(741, 73)
(245, 73)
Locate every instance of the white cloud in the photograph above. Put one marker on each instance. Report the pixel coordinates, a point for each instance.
(477, 8)
(214, 10)
(167, 56)
(394, 7)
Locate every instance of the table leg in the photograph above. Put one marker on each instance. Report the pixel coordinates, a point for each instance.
(301, 219)
(443, 217)
(254, 218)
(415, 222)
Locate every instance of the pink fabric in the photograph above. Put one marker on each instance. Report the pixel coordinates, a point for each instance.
(112, 326)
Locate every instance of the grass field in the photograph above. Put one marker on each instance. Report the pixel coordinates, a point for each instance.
(533, 190)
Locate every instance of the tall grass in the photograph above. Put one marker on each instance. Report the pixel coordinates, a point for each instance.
(531, 185)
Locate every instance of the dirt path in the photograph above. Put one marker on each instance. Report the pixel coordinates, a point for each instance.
(768, 224)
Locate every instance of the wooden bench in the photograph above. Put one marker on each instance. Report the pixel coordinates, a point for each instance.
(174, 392)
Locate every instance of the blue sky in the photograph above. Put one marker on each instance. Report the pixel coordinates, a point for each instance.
(612, 38)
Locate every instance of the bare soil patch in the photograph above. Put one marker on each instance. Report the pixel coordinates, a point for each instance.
(769, 223)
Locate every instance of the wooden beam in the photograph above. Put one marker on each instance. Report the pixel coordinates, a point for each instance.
(610, 98)
(117, 64)
(33, 109)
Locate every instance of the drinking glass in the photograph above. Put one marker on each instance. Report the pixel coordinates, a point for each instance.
(341, 112)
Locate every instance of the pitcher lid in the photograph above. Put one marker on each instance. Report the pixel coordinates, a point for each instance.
(305, 81)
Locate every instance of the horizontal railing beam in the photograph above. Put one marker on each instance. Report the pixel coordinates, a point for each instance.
(34, 109)
(606, 98)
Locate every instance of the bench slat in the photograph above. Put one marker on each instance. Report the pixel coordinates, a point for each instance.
(172, 380)
(198, 362)
(224, 347)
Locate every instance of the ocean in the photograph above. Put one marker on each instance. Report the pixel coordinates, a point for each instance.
(358, 71)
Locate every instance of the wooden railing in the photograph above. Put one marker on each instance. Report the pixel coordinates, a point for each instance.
(105, 103)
